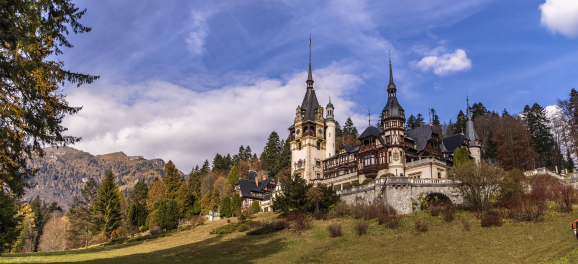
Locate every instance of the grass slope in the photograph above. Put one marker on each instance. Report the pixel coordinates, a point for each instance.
(547, 241)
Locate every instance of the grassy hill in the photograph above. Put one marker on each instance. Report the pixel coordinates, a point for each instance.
(63, 171)
(548, 241)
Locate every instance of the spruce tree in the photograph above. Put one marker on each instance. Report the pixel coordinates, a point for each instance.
(418, 120)
(233, 176)
(411, 122)
(236, 202)
(172, 180)
(242, 155)
(538, 126)
(206, 203)
(248, 152)
(215, 199)
(225, 209)
(478, 109)
(460, 125)
(271, 154)
(285, 155)
(195, 180)
(108, 204)
(205, 169)
(137, 213)
(491, 147)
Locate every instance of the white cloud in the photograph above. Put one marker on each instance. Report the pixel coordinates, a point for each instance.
(446, 63)
(159, 119)
(560, 16)
(198, 33)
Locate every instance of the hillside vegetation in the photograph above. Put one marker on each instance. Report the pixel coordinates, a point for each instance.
(550, 240)
(63, 171)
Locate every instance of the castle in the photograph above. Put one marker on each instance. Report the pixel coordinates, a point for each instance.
(386, 150)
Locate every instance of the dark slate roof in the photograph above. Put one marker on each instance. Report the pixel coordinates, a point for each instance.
(470, 131)
(249, 186)
(309, 105)
(351, 149)
(252, 175)
(421, 135)
(393, 106)
(454, 142)
(370, 131)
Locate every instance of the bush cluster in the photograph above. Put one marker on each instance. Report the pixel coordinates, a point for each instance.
(232, 227)
(421, 225)
(361, 228)
(155, 230)
(334, 230)
(340, 209)
(269, 227)
(362, 210)
(299, 220)
(492, 218)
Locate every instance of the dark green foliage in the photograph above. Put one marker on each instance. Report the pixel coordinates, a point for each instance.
(298, 197)
(460, 125)
(195, 180)
(513, 185)
(271, 154)
(89, 192)
(491, 146)
(366, 181)
(137, 213)
(538, 126)
(338, 130)
(108, 205)
(205, 169)
(139, 194)
(285, 155)
(225, 208)
(478, 109)
(294, 196)
(235, 202)
(8, 221)
(269, 228)
(411, 122)
(435, 118)
(168, 213)
(233, 176)
(222, 164)
(349, 129)
(232, 227)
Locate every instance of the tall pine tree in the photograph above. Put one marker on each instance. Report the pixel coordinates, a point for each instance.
(271, 154)
(108, 204)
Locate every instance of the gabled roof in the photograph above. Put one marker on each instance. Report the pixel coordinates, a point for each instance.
(454, 142)
(370, 131)
(249, 186)
(421, 135)
(350, 149)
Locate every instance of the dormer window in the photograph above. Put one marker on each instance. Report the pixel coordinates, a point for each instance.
(386, 114)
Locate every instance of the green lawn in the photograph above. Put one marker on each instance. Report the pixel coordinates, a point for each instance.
(548, 241)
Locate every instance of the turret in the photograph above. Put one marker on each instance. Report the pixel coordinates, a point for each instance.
(330, 131)
(475, 143)
(393, 125)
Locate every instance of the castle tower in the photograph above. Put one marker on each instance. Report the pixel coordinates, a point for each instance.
(475, 143)
(330, 131)
(308, 147)
(393, 125)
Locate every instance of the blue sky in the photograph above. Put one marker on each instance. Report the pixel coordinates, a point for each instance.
(183, 80)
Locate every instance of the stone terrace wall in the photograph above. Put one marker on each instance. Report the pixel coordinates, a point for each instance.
(400, 192)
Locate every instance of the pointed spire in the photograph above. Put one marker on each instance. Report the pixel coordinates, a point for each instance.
(310, 77)
(391, 89)
(469, 112)
(369, 116)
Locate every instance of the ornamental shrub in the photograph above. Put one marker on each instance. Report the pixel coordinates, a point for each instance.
(334, 230)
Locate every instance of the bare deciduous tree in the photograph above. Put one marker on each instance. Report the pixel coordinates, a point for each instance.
(54, 233)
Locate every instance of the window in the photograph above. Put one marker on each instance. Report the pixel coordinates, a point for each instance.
(390, 157)
(317, 163)
(318, 176)
(318, 146)
(439, 175)
(299, 164)
(329, 134)
(299, 145)
(393, 123)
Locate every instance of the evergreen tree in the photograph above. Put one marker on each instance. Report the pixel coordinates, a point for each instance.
(255, 206)
(294, 196)
(155, 194)
(285, 156)
(186, 201)
(137, 212)
(9, 221)
(242, 155)
(411, 122)
(195, 180)
(172, 180)
(205, 169)
(248, 152)
(89, 191)
(236, 202)
(460, 125)
(225, 209)
(491, 147)
(338, 131)
(33, 103)
(108, 204)
(478, 109)
(215, 199)
(350, 133)
(271, 154)
(233, 176)
(435, 117)
(206, 203)
(538, 126)
(419, 120)
(461, 155)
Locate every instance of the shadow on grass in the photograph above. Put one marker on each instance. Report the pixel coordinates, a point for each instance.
(216, 249)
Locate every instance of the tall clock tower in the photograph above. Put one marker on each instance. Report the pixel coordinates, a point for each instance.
(393, 125)
(308, 135)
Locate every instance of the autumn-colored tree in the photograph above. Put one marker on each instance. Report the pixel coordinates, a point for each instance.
(172, 180)
(26, 227)
(186, 201)
(53, 237)
(206, 203)
(477, 182)
(315, 195)
(515, 147)
(233, 176)
(156, 194)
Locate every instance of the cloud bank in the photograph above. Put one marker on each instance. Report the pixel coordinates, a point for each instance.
(161, 119)
(446, 63)
(560, 16)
